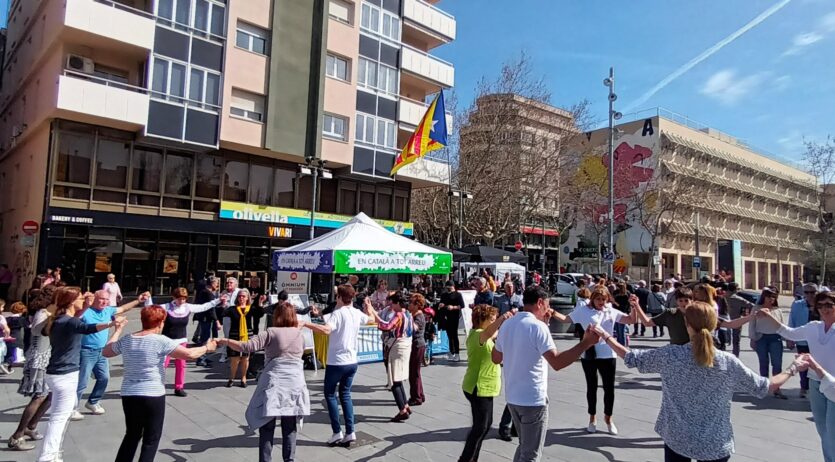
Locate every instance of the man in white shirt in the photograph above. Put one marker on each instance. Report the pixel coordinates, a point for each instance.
(523, 346)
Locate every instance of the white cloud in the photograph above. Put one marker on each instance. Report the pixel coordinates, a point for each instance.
(781, 83)
(727, 88)
(824, 27)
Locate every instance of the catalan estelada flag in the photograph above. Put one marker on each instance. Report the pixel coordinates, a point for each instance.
(429, 135)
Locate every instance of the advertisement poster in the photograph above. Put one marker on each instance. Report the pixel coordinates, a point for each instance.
(293, 282)
(170, 264)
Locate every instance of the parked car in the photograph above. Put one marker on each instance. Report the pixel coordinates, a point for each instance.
(752, 296)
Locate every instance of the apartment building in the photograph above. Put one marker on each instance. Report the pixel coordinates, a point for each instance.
(754, 215)
(525, 136)
(156, 139)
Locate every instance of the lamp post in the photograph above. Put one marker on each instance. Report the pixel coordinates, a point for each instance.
(461, 195)
(613, 116)
(315, 167)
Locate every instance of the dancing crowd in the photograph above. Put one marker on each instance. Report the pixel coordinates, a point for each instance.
(71, 335)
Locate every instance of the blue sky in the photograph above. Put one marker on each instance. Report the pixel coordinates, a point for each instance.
(772, 86)
(4, 12)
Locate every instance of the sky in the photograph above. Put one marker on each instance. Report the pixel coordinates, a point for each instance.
(760, 70)
(4, 12)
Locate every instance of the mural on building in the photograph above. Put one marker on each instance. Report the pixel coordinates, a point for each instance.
(634, 165)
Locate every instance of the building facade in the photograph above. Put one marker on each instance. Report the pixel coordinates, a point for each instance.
(158, 139)
(754, 216)
(527, 138)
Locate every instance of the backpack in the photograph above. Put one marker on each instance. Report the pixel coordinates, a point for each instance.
(430, 331)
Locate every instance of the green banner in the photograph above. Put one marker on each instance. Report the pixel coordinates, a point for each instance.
(352, 261)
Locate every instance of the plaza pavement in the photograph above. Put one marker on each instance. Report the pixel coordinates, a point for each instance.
(209, 424)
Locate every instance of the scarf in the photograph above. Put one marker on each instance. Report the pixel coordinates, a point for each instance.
(242, 331)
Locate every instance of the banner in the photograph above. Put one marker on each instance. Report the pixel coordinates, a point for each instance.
(291, 281)
(303, 262)
(281, 215)
(348, 261)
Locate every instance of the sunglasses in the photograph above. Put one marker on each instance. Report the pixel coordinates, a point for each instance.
(809, 292)
(825, 306)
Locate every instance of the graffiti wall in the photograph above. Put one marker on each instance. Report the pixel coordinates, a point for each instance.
(635, 164)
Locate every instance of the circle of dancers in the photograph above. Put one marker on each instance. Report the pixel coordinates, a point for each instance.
(72, 335)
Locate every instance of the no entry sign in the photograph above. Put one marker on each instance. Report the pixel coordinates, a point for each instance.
(30, 227)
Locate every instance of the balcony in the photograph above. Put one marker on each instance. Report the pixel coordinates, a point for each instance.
(425, 172)
(427, 25)
(410, 112)
(433, 70)
(111, 20)
(95, 100)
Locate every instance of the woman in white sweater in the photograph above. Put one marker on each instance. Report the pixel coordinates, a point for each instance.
(821, 338)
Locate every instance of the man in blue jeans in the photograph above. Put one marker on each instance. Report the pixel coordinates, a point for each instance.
(802, 312)
(92, 361)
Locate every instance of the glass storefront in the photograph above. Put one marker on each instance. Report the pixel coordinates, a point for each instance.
(157, 261)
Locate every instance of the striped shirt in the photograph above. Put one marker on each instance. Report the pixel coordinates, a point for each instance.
(143, 358)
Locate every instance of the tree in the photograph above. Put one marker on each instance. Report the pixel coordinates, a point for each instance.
(820, 160)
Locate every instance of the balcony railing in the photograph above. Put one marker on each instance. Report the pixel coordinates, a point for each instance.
(128, 8)
(430, 17)
(427, 66)
(99, 97)
(411, 111)
(113, 20)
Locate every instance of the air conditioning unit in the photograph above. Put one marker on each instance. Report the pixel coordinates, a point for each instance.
(80, 64)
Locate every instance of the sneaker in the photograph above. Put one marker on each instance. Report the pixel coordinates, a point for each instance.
(33, 435)
(180, 392)
(20, 444)
(348, 440)
(592, 428)
(335, 439)
(76, 416)
(505, 437)
(613, 429)
(779, 395)
(4, 370)
(95, 409)
(803, 393)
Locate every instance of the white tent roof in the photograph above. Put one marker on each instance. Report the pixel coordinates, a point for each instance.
(363, 234)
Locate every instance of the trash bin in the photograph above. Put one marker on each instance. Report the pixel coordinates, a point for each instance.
(564, 306)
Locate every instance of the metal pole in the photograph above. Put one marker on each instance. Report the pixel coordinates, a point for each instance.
(543, 247)
(697, 270)
(313, 203)
(779, 271)
(460, 219)
(611, 164)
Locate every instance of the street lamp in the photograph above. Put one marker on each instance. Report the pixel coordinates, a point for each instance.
(315, 167)
(461, 195)
(613, 115)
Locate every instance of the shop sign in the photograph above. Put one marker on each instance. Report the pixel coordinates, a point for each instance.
(291, 281)
(346, 261)
(280, 232)
(70, 219)
(286, 216)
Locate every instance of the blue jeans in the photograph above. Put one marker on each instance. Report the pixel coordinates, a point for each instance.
(344, 377)
(92, 362)
(823, 410)
(208, 329)
(620, 333)
(770, 345)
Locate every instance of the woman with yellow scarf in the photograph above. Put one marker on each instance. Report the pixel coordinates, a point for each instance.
(242, 316)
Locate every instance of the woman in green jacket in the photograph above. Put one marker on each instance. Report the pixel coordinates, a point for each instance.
(483, 379)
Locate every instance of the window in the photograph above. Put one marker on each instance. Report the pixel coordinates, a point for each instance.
(386, 133)
(388, 81)
(340, 10)
(204, 87)
(252, 38)
(75, 152)
(236, 178)
(334, 126)
(380, 22)
(336, 67)
(260, 184)
(283, 193)
(112, 158)
(247, 105)
(111, 74)
(208, 15)
(146, 167)
(367, 73)
(209, 173)
(169, 78)
(365, 128)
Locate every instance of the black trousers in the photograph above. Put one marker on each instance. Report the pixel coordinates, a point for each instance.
(606, 368)
(266, 434)
(399, 393)
(452, 334)
(144, 416)
(482, 410)
(672, 456)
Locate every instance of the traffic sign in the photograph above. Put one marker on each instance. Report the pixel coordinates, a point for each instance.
(608, 258)
(30, 227)
(697, 262)
(518, 245)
